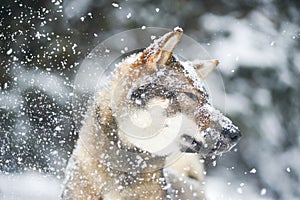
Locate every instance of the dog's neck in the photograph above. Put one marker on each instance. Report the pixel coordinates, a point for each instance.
(133, 168)
(141, 170)
(131, 159)
(118, 173)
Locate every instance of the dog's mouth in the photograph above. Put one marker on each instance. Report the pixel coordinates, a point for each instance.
(213, 143)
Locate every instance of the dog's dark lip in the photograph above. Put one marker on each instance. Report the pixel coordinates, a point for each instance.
(188, 150)
(193, 147)
(187, 138)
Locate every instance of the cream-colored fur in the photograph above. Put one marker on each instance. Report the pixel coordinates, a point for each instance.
(111, 161)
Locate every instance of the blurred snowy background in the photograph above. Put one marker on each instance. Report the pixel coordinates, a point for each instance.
(42, 44)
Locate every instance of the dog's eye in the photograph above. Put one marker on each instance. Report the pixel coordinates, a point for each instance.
(191, 95)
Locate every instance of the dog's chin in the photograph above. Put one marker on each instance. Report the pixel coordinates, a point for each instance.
(218, 149)
(207, 151)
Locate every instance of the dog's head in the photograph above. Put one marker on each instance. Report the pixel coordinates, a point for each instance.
(161, 105)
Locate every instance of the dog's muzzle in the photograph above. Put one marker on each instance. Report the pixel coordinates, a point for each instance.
(220, 136)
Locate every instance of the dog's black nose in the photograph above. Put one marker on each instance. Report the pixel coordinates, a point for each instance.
(232, 132)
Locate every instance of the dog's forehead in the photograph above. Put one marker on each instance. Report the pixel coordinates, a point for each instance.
(175, 75)
(182, 75)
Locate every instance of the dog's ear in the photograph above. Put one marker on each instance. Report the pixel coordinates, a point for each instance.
(204, 67)
(161, 49)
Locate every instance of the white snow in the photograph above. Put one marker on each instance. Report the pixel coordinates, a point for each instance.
(128, 15)
(115, 5)
(218, 188)
(253, 171)
(29, 186)
(75, 8)
(252, 41)
(49, 83)
(9, 51)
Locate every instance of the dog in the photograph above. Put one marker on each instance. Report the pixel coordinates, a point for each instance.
(154, 108)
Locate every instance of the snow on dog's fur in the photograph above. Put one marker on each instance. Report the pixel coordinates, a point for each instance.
(154, 105)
